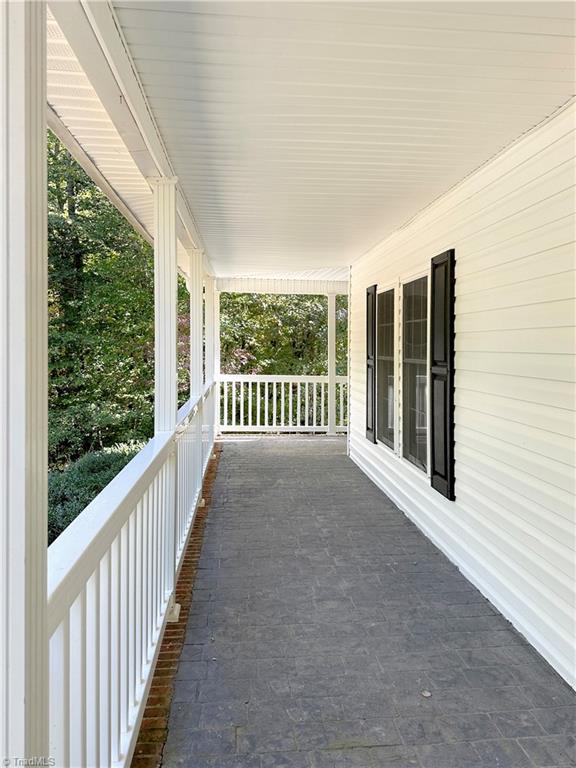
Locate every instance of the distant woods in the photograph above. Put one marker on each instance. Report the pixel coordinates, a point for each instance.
(280, 334)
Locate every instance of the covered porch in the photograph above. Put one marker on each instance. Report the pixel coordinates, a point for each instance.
(269, 147)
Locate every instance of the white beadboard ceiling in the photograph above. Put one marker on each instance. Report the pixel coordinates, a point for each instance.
(303, 133)
(77, 105)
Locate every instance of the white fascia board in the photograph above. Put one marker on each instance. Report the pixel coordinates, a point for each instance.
(297, 286)
(93, 33)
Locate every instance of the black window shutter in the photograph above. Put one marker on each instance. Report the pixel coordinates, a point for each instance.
(442, 374)
(371, 363)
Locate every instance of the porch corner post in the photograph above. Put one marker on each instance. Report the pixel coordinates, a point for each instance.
(331, 363)
(165, 305)
(24, 672)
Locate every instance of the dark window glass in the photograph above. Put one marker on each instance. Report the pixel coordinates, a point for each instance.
(414, 368)
(385, 369)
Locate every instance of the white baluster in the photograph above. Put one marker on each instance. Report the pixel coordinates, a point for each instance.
(314, 404)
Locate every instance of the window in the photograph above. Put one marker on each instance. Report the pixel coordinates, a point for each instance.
(385, 368)
(370, 360)
(414, 370)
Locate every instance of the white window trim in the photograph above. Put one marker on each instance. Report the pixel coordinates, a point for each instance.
(393, 286)
(399, 441)
(398, 451)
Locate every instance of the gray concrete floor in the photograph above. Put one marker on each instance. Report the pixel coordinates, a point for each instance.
(328, 632)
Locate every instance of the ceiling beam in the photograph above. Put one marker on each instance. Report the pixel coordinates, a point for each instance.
(280, 285)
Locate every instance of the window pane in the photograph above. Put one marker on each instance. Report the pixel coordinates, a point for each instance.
(385, 368)
(414, 366)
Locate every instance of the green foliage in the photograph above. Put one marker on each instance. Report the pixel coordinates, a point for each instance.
(101, 318)
(341, 335)
(279, 334)
(72, 489)
(101, 355)
(183, 350)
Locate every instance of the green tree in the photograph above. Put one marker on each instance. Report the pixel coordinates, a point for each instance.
(280, 334)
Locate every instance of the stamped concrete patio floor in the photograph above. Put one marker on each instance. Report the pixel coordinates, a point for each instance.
(327, 631)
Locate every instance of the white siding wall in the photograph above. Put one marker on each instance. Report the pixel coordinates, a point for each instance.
(511, 529)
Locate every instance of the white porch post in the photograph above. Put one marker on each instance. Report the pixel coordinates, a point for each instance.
(217, 334)
(210, 336)
(217, 389)
(165, 305)
(331, 363)
(165, 356)
(23, 382)
(195, 288)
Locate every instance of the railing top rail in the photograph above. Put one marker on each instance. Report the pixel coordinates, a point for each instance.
(243, 378)
(186, 411)
(75, 554)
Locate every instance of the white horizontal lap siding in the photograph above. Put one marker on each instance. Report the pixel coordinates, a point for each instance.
(512, 526)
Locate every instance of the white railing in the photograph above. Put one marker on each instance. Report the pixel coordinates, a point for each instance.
(111, 577)
(281, 403)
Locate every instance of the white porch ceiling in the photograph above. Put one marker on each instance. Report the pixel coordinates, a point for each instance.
(303, 133)
(77, 105)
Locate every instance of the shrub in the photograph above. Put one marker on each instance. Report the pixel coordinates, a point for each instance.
(71, 489)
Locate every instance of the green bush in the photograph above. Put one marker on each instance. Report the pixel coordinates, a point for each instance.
(70, 490)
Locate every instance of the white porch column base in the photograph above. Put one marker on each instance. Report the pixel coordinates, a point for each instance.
(173, 612)
(23, 382)
(331, 363)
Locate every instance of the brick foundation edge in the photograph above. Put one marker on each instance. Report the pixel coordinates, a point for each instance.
(154, 724)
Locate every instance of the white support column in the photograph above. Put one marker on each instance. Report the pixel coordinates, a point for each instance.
(210, 349)
(23, 382)
(165, 305)
(165, 357)
(217, 334)
(331, 363)
(195, 288)
(218, 388)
